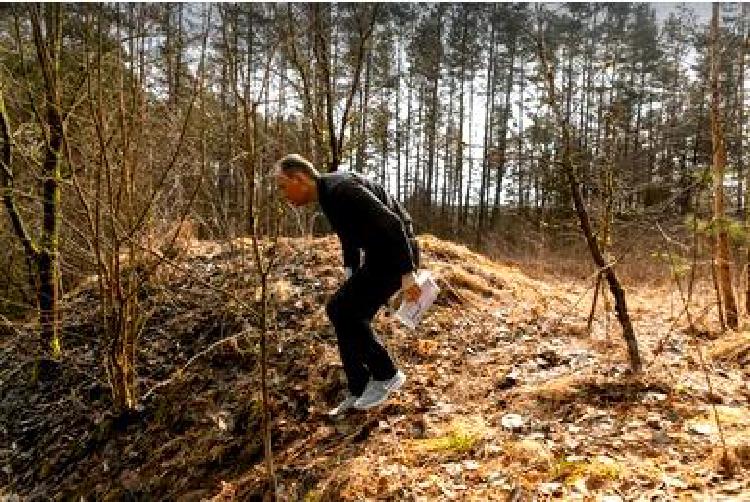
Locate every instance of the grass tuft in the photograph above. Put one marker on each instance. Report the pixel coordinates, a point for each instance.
(596, 472)
(459, 439)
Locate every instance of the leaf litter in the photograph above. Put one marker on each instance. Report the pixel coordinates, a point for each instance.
(508, 396)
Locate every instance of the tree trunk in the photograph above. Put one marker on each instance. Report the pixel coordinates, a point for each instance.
(397, 121)
(366, 25)
(264, 269)
(321, 28)
(743, 54)
(467, 195)
(503, 134)
(8, 189)
(519, 151)
(418, 164)
(484, 184)
(459, 168)
(407, 137)
(434, 108)
(168, 49)
(448, 178)
(596, 253)
(719, 154)
(178, 51)
(384, 179)
(48, 48)
(365, 106)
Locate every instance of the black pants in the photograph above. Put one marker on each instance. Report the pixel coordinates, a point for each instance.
(351, 310)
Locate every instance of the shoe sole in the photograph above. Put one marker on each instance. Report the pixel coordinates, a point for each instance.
(337, 413)
(397, 384)
(374, 403)
(392, 388)
(339, 410)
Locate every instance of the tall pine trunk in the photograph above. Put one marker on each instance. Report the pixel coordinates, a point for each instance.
(459, 160)
(434, 114)
(398, 119)
(484, 183)
(448, 178)
(502, 135)
(719, 155)
(743, 55)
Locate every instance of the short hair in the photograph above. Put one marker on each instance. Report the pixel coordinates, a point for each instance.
(294, 163)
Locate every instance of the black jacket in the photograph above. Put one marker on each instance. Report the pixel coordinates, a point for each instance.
(366, 217)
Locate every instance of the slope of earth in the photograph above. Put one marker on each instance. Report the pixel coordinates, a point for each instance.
(508, 396)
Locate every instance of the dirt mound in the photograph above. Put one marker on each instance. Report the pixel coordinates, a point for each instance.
(503, 395)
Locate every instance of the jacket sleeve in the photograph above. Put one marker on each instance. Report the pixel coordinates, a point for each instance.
(352, 257)
(379, 227)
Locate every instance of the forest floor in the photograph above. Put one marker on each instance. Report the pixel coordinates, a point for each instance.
(508, 395)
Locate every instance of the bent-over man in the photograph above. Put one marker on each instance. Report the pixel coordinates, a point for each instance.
(365, 218)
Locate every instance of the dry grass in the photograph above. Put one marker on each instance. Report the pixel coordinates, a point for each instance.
(173, 239)
(472, 280)
(596, 472)
(459, 278)
(170, 240)
(732, 348)
(453, 442)
(529, 453)
(460, 437)
(730, 417)
(426, 347)
(556, 390)
(731, 460)
(563, 254)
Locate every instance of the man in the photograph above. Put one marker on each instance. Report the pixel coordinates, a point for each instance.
(365, 218)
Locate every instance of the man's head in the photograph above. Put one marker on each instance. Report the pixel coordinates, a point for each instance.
(297, 178)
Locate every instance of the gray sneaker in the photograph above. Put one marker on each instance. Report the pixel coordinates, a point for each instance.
(343, 406)
(377, 391)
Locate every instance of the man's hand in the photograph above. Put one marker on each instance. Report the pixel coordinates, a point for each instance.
(410, 288)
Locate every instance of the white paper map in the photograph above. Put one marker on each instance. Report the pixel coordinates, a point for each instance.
(410, 313)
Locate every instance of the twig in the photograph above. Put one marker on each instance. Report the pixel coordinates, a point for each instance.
(596, 273)
(673, 266)
(8, 323)
(704, 368)
(466, 313)
(197, 279)
(190, 361)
